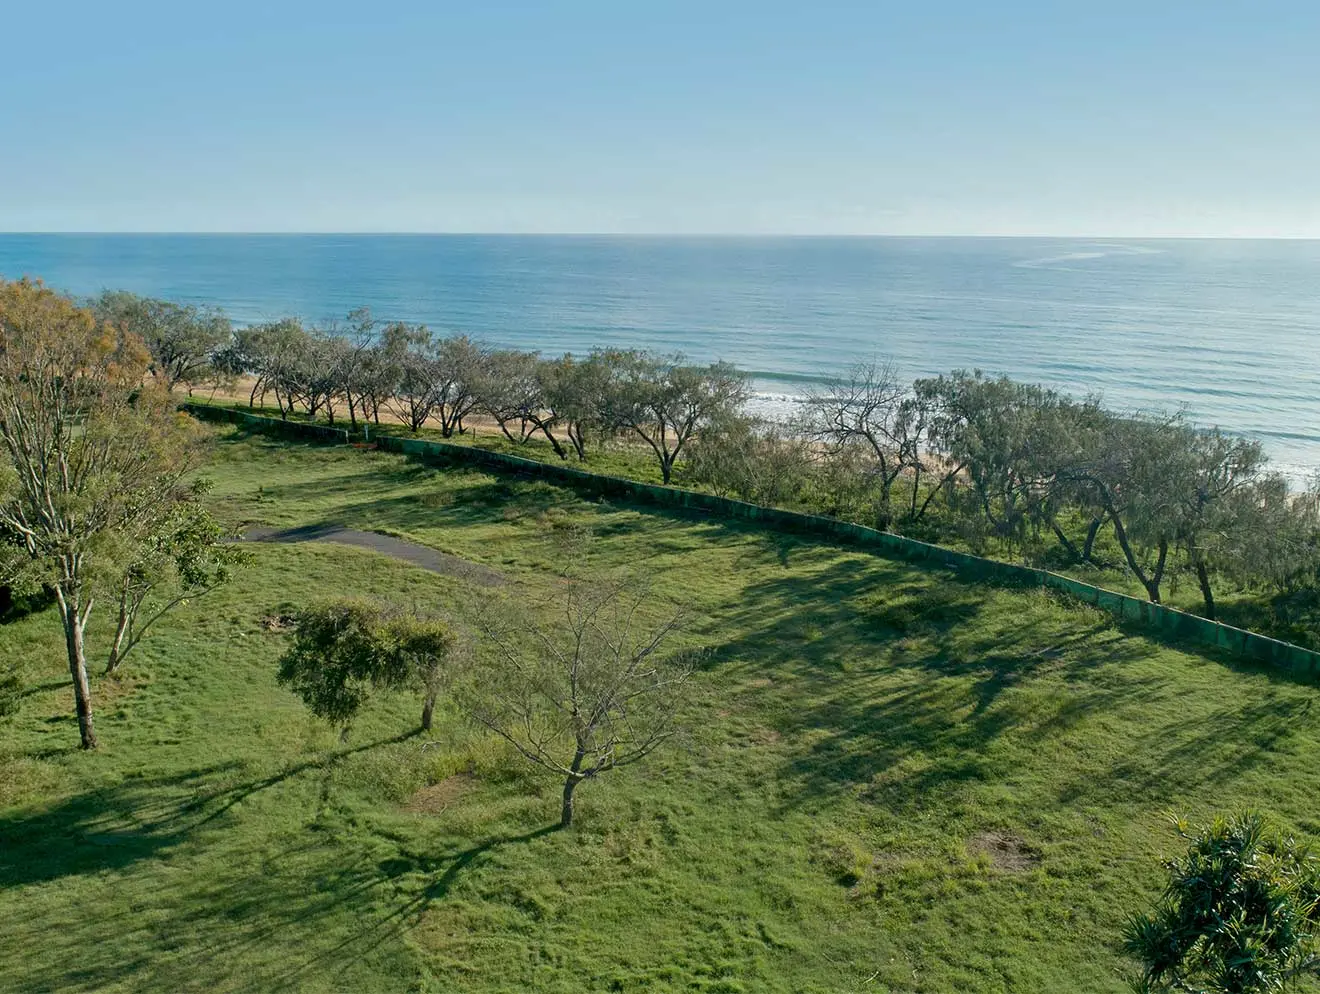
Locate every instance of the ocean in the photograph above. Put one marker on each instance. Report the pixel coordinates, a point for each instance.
(1228, 329)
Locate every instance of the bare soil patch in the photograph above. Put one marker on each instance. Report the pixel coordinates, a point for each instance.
(435, 798)
(1006, 852)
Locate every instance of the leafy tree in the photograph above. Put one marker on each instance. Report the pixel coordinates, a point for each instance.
(1219, 499)
(409, 352)
(269, 353)
(664, 401)
(458, 365)
(572, 391)
(755, 461)
(182, 339)
(91, 453)
(343, 651)
(589, 693)
(418, 647)
(509, 390)
(178, 554)
(1239, 914)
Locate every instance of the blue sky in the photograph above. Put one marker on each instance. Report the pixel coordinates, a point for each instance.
(818, 117)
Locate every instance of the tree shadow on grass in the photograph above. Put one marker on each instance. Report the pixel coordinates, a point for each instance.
(897, 683)
(398, 920)
(135, 819)
(307, 915)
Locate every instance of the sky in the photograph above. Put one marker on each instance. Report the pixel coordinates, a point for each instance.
(923, 117)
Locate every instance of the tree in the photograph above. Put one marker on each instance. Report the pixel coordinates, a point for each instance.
(1134, 470)
(509, 390)
(865, 412)
(666, 402)
(755, 461)
(269, 353)
(409, 352)
(589, 693)
(344, 650)
(182, 339)
(572, 390)
(179, 554)
(458, 366)
(85, 440)
(1218, 503)
(1239, 914)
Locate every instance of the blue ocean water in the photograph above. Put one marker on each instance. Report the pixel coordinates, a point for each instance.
(1230, 329)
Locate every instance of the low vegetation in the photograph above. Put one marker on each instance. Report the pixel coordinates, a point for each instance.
(886, 779)
(1143, 501)
(841, 771)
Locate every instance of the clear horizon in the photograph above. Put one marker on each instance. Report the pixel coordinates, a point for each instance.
(655, 234)
(1028, 119)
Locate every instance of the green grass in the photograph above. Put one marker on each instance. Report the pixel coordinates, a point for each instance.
(891, 780)
(1291, 616)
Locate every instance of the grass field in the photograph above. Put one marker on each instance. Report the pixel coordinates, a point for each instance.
(892, 781)
(1292, 617)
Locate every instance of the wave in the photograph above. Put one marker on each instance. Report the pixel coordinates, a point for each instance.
(1100, 250)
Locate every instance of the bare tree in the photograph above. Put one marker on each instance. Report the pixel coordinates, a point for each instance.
(583, 695)
(866, 411)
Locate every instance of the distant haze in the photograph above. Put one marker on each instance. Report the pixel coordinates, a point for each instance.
(1017, 117)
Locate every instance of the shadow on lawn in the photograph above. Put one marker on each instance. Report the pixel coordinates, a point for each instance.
(136, 819)
(901, 687)
(303, 916)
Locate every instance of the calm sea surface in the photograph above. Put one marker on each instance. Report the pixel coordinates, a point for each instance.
(1230, 329)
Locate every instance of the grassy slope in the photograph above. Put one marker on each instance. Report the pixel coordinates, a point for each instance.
(1293, 618)
(893, 781)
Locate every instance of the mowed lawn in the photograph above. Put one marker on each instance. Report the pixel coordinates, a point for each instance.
(890, 780)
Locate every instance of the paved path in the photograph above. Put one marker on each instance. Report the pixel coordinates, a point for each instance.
(396, 548)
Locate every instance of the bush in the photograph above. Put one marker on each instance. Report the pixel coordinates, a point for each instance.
(1238, 915)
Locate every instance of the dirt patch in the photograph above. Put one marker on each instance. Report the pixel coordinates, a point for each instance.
(279, 623)
(424, 556)
(436, 797)
(1006, 852)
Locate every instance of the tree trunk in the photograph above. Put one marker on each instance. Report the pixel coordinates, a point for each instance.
(1152, 584)
(1203, 578)
(916, 486)
(74, 620)
(1092, 530)
(566, 812)
(570, 784)
(121, 630)
(1065, 541)
(579, 441)
(428, 710)
(554, 442)
(666, 469)
(1156, 578)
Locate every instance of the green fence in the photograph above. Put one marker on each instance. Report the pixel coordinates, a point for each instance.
(290, 429)
(1130, 609)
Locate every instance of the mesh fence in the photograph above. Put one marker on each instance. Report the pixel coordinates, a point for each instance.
(1169, 621)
